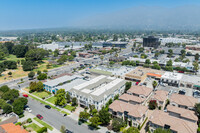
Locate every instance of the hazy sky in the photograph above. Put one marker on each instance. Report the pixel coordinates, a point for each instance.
(29, 14)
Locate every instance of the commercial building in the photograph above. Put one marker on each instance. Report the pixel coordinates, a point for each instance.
(115, 44)
(98, 91)
(172, 79)
(85, 55)
(135, 114)
(183, 101)
(160, 119)
(189, 81)
(181, 113)
(139, 74)
(193, 48)
(151, 42)
(64, 82)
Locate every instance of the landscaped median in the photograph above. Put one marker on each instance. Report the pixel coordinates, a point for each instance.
(43, 123)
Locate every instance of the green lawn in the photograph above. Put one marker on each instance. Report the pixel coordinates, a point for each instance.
(34, 126)
(43, 102)
(43, 123)
(65, 112)
(41, 94)
(100, 72)
(12, 57)
(51, 99)
(68, 107)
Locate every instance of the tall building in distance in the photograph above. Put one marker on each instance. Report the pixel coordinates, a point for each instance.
(151, 41)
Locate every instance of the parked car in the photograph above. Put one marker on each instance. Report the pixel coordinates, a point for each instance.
(26, 106)
(68, 131)
(48, 106)
(182, 92)
(39, 116)
(29, 110)
(25, 95)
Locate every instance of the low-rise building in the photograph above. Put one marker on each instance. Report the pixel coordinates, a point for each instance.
(64, 82)
(135, 114)
(160, 119)
(139, 74)
(132, 99)
(98, 91)
(183, 101)
(160, 96)
(11, 128)
(140, 91)
(85, 55)
(172, 79)
(189, 81)
(181, 113)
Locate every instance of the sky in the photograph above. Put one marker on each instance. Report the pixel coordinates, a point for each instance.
(34, 14)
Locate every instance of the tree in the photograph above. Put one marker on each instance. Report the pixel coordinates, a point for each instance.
(2, 102)
(63, 129)
(20, 50)
(147, 61)
(152, 104)
(39, 72)
(60, 97)
(197, 109)
(56, 53)
(9, 46)
(127, 86)
(156, 54)
(196, 66)
(84, 116)
(39, 86)
(4, 88)
(42, 76)
(116, 97)
(196, 56)
(154, 84)
(11, 95)
(104, 116)
(33, 86)
(2, 55)
(95, 121)
(170, 53)
(36, 54)
(18, 107)
(115, 37)
(29, 65)
(117, 124)
(74, 101)
(156, 66)
(7, 108)
(131, 130)
(111, 63)
(31, 74)
(161, 130)
(68, 98)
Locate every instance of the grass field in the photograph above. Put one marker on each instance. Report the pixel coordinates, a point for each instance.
(68, 107)
(34, 126)
(12, 57)
(43, 123)
(100, 71)
(41, 94)
(51, 99)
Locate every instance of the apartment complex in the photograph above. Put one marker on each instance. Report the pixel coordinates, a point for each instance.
(160, 96)
(160, 119)
(140, 91)
(135, 114)
(98, 91)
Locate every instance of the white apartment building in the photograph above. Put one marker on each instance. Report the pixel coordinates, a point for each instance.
(98, 91)
(171, 78)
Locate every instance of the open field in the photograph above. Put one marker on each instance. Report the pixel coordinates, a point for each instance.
(11, 57)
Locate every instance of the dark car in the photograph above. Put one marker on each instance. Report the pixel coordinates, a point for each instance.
(181, 92)
(39, 116)
(26, 106)
(68, 131)
(47, 106)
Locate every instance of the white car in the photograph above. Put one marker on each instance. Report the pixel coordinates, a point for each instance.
(29, 110)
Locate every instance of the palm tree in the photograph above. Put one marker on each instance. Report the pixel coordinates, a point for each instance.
(154, 84)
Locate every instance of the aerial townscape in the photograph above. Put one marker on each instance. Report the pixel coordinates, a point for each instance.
(104, 66)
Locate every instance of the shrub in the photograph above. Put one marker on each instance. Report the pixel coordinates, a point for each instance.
(22, 115)
(18, 123)
(42, 130)
(29, 120)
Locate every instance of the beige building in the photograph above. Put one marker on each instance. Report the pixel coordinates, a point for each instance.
(140, 74)
(135, 114)
(183, 101)
(160, 119)
(140, 91)
(160, 96)
(131, 99)
(181, 113)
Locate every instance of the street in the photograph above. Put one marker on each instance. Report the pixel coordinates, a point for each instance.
(56, 119)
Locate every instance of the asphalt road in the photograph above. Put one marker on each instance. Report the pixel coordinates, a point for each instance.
(56, 119)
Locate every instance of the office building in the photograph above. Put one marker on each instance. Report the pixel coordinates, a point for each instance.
(151, 42)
